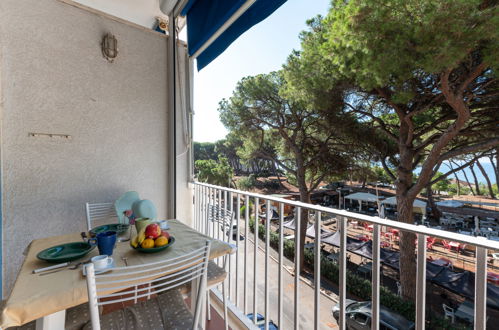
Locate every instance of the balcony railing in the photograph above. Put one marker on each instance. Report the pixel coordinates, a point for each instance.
(241, 273)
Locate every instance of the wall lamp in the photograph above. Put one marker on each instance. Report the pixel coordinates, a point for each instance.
(109, 47)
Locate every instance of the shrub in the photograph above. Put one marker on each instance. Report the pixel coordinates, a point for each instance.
(247, 182)
(242, 210)
(356, 285)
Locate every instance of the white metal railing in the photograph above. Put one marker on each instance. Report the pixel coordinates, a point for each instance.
(206, 194)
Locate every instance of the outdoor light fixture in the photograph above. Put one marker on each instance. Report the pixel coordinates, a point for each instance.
(109, 47)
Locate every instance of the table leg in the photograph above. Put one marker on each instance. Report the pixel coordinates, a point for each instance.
(55, 321)
(195, 283)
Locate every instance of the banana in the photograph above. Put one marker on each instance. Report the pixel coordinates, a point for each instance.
(139, 238)
(135, 242)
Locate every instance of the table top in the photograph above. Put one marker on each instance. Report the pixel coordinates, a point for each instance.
(35, 296)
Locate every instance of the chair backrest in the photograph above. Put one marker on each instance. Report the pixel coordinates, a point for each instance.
(98, 211)
(135, 282)
(448, 309)
(220, 215)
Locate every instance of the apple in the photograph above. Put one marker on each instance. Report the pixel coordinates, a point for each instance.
(153, 230)
(165, 234)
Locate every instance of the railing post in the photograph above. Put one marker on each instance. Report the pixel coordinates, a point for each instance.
(281, 259)
(375, 278)
(230, 233)
(255, 259)
(267, 248)
(238, 219)
(205, 211)
(246, 230)
(195, 213)
(297, 266)
(343, 268)
(421, 283)
(481, 288)
(317, 270)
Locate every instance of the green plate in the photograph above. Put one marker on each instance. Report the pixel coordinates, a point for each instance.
(157, 249)
(65, 252)
(119, 228)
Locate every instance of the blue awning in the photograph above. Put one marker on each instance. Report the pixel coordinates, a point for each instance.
(205, 17)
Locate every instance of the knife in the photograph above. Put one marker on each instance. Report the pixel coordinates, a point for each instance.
(39, 270)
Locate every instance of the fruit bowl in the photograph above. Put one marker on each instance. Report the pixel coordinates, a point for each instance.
(171, 240)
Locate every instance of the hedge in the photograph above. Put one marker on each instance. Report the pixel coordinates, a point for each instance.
(356, 285)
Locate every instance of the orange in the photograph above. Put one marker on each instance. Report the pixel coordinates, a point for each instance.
(147, 243)
(161, 241)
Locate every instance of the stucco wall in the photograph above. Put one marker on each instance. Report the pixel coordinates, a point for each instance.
(55, 80)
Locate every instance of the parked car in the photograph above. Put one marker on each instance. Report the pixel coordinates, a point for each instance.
(358, 317)
(260, 321)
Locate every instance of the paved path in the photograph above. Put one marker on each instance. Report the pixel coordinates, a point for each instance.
(306, 292)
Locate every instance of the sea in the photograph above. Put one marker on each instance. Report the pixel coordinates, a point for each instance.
(487, 166)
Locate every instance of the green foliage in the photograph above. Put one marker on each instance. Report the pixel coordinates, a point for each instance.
(246, 183)
(384, 42)
(285, 130)
(380, 175)
(204, 151)
(442, 185)
(356, 285)
(215, 172)
(242, 210)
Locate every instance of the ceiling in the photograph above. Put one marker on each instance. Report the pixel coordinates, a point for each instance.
(141, 12)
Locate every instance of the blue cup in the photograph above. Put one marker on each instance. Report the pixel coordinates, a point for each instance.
(105, 242)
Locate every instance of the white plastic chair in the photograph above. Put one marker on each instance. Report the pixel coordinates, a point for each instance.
(127, 284)
(448, 312)
(99, 211)
(399, 289)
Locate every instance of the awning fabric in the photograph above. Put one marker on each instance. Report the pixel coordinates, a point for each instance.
(418, 205)
(205, 17)
(365, 197)
(462, 283)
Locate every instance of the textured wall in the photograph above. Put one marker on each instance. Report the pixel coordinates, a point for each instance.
(55, 80)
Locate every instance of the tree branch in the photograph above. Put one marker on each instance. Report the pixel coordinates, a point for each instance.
(387, 169)
(443, 176)
(470, 149)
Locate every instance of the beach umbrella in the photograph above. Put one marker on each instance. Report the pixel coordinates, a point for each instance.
(382, 212)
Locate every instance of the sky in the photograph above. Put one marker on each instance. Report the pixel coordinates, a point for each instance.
(262, 49)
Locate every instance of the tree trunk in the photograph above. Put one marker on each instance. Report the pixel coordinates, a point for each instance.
(405, 214)
(276, 172)
(305, 198)
(407, 248)
(468, 182)
(435, 212)
(477, 185)
(487, 179)
(458, 183)
(495, 166)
